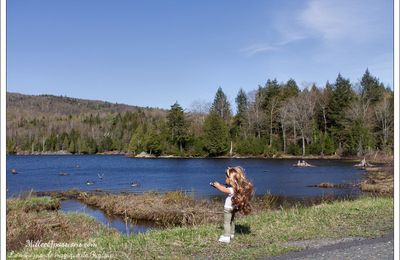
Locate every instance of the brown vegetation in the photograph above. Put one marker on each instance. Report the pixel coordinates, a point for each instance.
(176, 208)
(35, 219)
(172, 208)
(378, 180)
(326, 185)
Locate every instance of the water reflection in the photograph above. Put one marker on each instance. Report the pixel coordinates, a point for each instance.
(118, 223)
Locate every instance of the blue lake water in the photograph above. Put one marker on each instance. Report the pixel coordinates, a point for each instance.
(276, 176)
(125, 227)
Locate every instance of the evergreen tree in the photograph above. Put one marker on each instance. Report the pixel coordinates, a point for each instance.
(65, 144)
(372, 90)
(106, 143)
(152, 141)
(137, 142)
(342, 97)
(215, 135)
(72, 147)
(240, 127)
(221, 105)
(10, 146)
(290, 89)
(177, 126)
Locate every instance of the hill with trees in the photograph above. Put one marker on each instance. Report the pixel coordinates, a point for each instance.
(277, 118)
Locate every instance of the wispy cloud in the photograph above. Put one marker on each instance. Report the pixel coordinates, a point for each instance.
(257, 48)
(268, 47)
(339, 19)
(325, 19)
(330, 21)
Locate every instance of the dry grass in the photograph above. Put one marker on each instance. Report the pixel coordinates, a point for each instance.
(378, 180)
(170, 209)
(177, 208)
(258, 236)
(35, 219)
(326, 185)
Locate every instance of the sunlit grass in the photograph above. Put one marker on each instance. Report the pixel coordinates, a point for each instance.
(258, 235)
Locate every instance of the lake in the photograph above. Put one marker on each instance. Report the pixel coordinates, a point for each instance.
(275, 176)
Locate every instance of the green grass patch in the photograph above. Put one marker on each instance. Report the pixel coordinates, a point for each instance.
(33, 204)
(259, 235)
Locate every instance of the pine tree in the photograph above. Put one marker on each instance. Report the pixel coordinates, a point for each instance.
(240, 127)
(177, 126)
(372, 90)
(290, 89)
(215, 135)
(221, 105)
(341, 99)
(137, 142)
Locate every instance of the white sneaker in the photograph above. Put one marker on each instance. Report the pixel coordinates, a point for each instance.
(232, 236)
(224, 239)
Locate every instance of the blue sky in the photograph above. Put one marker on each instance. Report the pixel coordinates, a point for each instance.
(153, 53)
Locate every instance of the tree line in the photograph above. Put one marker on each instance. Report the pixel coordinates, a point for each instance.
(277, 118)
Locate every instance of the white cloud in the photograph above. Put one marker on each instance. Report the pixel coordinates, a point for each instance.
(257, 48)
(332, 21)
(267, 47)
(355, 20)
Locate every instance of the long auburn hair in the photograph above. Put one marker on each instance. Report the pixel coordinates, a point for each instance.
(242, 187)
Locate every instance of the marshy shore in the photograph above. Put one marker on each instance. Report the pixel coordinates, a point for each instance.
(178, 208)
(263, 233)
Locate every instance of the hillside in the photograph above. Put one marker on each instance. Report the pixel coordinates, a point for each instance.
(52, 123)
(37, 106)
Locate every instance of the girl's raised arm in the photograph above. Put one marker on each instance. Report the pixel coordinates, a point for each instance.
(221, 187)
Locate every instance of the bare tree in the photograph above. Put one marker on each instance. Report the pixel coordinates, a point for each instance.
(255, 111)
(322, 102)
(284, 119)
(384, 119)
(273, 111)
(200, 107)
(302, 111)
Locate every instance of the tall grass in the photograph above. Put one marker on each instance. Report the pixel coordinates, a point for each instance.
(258, 235)
(36, 219)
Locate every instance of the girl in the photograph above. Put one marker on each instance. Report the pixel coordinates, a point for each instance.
(240, 191)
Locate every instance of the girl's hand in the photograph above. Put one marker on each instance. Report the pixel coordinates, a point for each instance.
(221, 188)
(215, 183)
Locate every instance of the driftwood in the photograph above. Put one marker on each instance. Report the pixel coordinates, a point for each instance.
(363, 164)
(303, 164)
(328, 185)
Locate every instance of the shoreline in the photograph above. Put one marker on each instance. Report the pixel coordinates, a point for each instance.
(177, 208)
(278, 229)
(386, 159)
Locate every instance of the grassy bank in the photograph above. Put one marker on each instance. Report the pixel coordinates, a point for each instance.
(175, 208)
(378, 180)
(36, 218)
(258, 235)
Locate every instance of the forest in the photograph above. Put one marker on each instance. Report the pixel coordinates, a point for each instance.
(275, 119)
